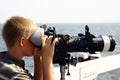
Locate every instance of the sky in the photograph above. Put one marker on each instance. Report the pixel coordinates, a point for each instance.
(62, 11)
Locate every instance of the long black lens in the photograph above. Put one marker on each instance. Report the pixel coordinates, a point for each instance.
(99, 43)
(104, 43)
(81, 44)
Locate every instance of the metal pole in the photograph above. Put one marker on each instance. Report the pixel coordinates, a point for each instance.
(62, 71)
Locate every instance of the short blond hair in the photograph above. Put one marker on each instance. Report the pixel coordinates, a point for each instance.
(16, 27)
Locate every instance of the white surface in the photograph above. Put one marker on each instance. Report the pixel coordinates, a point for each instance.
(90, 69)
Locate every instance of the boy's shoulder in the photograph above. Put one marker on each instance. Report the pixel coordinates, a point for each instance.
(11, 68)
(3, 53)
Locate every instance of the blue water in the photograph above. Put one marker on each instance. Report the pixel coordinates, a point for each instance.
(73, 29)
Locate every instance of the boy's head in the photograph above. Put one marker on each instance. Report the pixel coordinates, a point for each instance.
(17, 27)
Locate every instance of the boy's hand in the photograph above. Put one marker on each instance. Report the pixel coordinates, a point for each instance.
(48, 47)
(37, 52)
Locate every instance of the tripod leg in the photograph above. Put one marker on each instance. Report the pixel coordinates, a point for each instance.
(62, 71)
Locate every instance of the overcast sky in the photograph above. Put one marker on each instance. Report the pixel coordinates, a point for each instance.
(53, 11)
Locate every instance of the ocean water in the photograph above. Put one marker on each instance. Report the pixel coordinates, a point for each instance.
(73, 29)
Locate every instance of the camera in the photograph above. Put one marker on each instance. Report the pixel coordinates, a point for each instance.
(82, 43)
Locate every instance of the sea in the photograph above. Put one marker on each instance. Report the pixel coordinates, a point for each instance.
(73, 29)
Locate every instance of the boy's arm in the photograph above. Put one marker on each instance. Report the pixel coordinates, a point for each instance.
(47, 57)
(48, 72)
(38, 73)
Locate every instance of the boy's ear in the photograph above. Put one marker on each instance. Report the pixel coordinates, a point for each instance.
(21, 41)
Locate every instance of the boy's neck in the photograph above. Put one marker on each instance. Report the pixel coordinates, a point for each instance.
(15, 53)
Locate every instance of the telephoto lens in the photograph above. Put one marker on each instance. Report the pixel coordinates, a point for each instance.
(81, 44)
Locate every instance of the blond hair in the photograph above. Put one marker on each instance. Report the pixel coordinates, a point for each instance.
(16, 27)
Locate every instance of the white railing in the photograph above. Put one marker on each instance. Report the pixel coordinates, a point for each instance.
(89, 70)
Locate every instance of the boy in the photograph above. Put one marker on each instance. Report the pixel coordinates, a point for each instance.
(16, 33)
